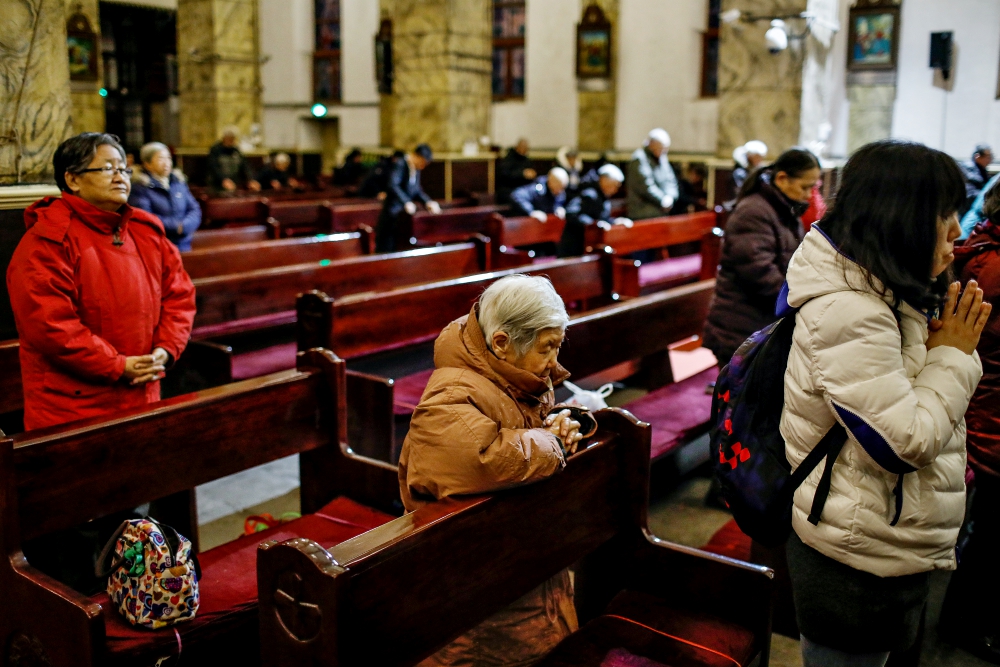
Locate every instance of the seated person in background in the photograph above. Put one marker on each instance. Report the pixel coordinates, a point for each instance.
(276, 176)
(482, 426)
(162, 190)
(100, 298)
(228, 169)
(976, 174)
(403, 190)
(652, 185)
(570, 160)
(975, 215)
(592, 206)
(691, 188)
(513, 171)
(353, 171)
(544, 196)
(747, 157)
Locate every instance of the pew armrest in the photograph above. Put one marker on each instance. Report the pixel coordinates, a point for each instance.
(711, 253)
(367, 239)
(625, 276)
(370, 429)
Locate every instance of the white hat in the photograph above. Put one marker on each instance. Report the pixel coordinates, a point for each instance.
(756, 147)
(659, 135)
(560, 175)
(612, 172)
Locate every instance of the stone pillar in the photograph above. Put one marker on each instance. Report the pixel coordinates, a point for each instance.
(442, 59)
(34, 78)
(759, 92)
(86, 102)
(597, 97)
(218, 68)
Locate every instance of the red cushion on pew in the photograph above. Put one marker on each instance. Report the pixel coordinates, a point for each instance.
(265, 361)
(730, 541)
(229, 580)
(678, 412)
(407, 391)
(672, 271)
(646, 626)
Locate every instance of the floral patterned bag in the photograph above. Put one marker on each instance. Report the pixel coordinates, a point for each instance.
(153, 579)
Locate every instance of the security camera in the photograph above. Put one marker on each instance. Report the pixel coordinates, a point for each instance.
(776, 37)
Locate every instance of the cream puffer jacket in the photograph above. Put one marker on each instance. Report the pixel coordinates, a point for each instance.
(902, 404)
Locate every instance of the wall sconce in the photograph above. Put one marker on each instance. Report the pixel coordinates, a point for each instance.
(778, 36)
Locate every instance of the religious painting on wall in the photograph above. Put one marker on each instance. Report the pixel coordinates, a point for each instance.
(326, 56)
(508, 49)
(383, 57)
(81, 46)
(873, 37)
(593, 45)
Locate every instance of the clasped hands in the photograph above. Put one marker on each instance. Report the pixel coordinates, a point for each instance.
(146, 368)
(625, 222)
(962, 319)
(563, 426)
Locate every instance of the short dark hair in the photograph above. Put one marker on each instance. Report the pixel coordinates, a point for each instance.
(991, 204)
(424, 151)
(982, 148)
(885, 216)
(794, 162)
(75, 154)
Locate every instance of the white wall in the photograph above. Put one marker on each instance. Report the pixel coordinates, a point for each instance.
(659, 75)
(286, 40)
(952, 121)
(548, 116)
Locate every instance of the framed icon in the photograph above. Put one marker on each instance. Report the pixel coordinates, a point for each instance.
(873, 37)
(82, 48)
(593, 45)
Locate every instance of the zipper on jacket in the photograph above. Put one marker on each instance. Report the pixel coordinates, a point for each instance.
(116, 239)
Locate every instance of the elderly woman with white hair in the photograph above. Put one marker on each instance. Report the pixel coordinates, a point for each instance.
(162, 190)
(747, 157)
(483, 425)
(650, 180)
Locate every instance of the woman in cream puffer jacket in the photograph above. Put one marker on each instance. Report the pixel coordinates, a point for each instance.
(862, 355)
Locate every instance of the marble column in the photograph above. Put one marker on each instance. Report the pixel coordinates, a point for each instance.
(759, 92)
(34, 88)
(442, 59)
(596, 97)
(218, 68)
(87, 105)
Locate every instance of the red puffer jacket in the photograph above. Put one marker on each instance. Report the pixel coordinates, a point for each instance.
(82, 303)
(979, 259)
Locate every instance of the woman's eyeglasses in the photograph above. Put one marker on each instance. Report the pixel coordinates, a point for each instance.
(109, 171)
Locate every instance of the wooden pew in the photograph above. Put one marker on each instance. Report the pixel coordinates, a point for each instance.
(448, 226)
(269, 254)
(234, 211)
(655, 233)
(298, 218)
(398, 593)
(388, 338)
(351, 217)
(212, 238)
(11, 391)
(510, 235)
(57, 478)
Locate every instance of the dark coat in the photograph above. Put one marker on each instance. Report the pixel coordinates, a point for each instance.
(510, 174)
(227, 162)
(979, 259)
(271, 173)
(402, 186)
(176, 208)
(527, 199)
(761, 235)
(587, 208)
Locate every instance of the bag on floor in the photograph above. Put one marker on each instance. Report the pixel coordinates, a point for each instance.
(153, 579)
(756, 478)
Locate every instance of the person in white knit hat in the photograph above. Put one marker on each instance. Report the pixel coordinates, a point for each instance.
(748, 157)
(650, 181)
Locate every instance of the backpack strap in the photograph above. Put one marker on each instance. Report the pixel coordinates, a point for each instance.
(829, 448)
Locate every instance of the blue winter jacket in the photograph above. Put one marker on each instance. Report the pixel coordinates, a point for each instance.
(176, 208)
(536, 196)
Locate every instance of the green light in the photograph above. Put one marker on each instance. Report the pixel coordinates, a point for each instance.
(319, 110)
(324, 262)
(103, 92)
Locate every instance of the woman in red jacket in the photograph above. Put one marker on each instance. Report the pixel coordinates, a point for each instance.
(101, 301)
(970, 616)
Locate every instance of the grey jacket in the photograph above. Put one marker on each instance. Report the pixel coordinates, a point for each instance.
(648, 182)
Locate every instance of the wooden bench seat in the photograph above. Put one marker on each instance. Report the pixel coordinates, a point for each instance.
(233, 211)
(59, 477)
(212, 238)
(245, 257)
(449, 226)
(512, 236)
(11, 389)
(400, 592)
(655, 234)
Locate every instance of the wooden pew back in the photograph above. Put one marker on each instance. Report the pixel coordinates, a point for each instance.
(222, 211)
(351, 217)
(11, 391)
(240, 296)
(212, 238)
(297, 217)
(366, 323)
(448, 226)
(402, 591)
(524, 230)
(269, 254)
(652, 233)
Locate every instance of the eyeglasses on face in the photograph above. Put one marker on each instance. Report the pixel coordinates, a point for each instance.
(109, 171)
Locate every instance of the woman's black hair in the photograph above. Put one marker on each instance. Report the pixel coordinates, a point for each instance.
(794, 162)
(75, 154)
(886, 215)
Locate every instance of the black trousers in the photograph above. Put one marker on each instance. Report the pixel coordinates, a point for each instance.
(385, 232)
(972, 604)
